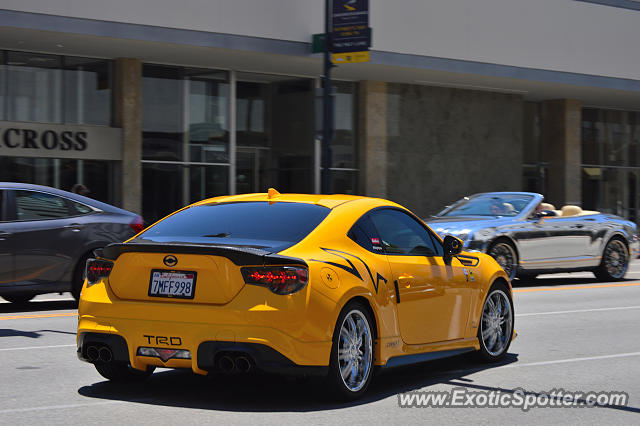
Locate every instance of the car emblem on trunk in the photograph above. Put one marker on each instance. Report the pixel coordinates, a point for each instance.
(170, 260)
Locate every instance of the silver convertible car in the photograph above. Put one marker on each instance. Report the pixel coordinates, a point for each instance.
(528, 237)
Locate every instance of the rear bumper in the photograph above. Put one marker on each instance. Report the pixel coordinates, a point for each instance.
(206, 357)
(294, 327)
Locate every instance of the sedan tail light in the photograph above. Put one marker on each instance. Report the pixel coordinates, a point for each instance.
(137, 224)
(98, 269)
(278, 279)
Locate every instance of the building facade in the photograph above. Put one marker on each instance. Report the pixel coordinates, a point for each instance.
(155, 107)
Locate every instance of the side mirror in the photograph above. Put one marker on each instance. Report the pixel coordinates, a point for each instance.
(451, 246)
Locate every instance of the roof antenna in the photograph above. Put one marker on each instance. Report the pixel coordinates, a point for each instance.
(272, 193)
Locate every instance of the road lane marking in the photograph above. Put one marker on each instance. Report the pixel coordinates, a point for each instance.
(52, 407)
(563, 361)
(575, 287)
(35, 347)
(12, 317)
(620, 308)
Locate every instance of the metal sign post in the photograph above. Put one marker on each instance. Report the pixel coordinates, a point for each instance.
(347, 38)
(327, 103)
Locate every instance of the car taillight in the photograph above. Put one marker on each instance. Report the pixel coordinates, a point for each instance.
(137, 224)
(278, 279)
(98, 269)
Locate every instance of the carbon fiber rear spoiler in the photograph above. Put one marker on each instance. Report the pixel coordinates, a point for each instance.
(241, 256)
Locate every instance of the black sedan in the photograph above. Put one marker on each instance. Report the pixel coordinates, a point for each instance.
(46, 236)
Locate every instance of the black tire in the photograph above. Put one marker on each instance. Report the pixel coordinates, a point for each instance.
(337, 385)
(78, 276)
(488, 352)
(19, 298)
(615, 261)
(122, 372)
(503, 251)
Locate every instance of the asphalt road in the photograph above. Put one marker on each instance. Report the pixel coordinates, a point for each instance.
(574, 334)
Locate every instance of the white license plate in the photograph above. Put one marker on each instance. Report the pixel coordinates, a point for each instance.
(180, 284)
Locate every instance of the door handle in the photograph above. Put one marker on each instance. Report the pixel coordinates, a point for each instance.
(75, 227)
(578, 226)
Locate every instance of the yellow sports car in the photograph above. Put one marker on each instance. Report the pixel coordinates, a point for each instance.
(313, 284)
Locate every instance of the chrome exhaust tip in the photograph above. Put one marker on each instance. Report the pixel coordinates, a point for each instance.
(226, 364)
(243, 364)
(105, 354)
(92, 353)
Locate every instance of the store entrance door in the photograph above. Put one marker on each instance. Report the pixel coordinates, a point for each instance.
(275, 131)
(251, 171)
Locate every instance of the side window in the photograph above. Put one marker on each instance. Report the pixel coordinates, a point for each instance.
(401, 234)
(32, 205)
(78, 209)
(366, 235)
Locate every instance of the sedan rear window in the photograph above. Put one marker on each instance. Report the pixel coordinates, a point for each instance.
(256, 224)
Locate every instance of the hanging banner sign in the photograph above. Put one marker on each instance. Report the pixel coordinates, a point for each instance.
(350, 32)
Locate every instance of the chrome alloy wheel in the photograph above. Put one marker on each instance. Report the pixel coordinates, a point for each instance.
(505, 255)
(616, 258)
(496, 323)
(355, 354)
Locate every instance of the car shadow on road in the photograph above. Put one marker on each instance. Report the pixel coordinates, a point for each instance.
(35, 306)
(12, 332)
(270, 393)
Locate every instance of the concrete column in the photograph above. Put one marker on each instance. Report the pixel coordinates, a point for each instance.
(562, 133)
(373, 138)
(128, 116)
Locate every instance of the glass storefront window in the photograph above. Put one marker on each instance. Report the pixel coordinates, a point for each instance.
(611, 190)
(87, 91)
(186, 135)
(208, 117)
(534, 178)
(3, 86)
(207, 181)
(343, 145)
(252, 106)
(344, 181)
(162, 190)
(275, 130)
(169, 187)
(185, 123)
(162, 113)
(610, 151)
(35, 87)
(63, 174)
(610, 137)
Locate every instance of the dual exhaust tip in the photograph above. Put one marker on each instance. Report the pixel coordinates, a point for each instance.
(226, 363)
(100, 354)
(231, 364)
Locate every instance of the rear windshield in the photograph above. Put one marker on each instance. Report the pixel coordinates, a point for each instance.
(274, 226)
